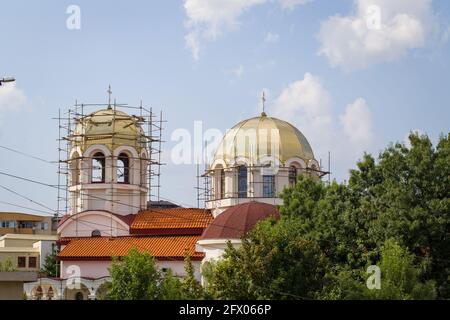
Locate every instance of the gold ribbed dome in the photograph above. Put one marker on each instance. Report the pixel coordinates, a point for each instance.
(108, 127)
(252, 139)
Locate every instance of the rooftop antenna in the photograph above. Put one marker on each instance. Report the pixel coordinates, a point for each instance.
(263, 98)
(109, 96)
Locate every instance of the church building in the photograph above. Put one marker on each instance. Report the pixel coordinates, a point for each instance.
(108, 163)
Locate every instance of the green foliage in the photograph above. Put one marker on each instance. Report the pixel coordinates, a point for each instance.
(394, 211)
(7, 266)
(404, 196)
(192, 289)
(400, 278)
(171, 288)
(274, 262)
(50, 268)
(137, 277)
(134, 278)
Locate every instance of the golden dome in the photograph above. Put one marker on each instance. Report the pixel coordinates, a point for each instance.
(108, 127)
(252, 139)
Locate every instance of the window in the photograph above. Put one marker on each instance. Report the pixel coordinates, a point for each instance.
(268, 186)
(39, 293)
(123, 168)
(292, 176)
(96, 233)
(44, 225)
(242, 182)
(32, 262)
(222, 184)
(7, 224)
(26, 224)
(21, 262)
(79, 296)
(98, 168)
(50, 293)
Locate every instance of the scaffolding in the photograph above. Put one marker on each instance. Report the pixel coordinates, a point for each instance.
(72, 123)
(206, 191)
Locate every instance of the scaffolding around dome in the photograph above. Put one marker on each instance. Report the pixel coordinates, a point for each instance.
(256, 159)
(112, 125)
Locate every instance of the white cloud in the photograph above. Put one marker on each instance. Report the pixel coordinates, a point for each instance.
(11, 98)
(307, 97)
(208, 19)
(271, 37)
(378, 31)
(308, 105)
(357, 123)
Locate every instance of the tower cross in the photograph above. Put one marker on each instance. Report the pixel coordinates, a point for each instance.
(109, 95)
(263, 99)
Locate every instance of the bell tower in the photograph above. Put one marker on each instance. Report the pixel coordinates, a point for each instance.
(108, 160)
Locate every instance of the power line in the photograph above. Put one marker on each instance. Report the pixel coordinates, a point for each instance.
(23, 207)
(27, 155)
(26, 198)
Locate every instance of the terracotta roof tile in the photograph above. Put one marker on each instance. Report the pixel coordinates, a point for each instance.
(160, 247)
(172, 218)
(237, 221)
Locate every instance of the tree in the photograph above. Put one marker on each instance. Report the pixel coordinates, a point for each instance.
(404, 195)
(7, 266)
(192, 289)
(273, 262)
(134, 278)
(171, 288)
(400, 279)
(50, 268)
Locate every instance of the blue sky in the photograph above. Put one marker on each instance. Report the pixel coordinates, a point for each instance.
(348, 89)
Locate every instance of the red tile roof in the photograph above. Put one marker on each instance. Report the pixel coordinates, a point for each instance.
(104, 248)
(171, 221)
(237, 221)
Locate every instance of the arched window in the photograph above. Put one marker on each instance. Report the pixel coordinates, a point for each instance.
(222, 184)
(79, 296)
(292, 175)
(50, 293)
(123, 168)
(39, 293)
(242, 182)
(98, 168)
(96, 233)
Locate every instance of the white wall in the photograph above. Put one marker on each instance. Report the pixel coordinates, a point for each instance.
(99, 269)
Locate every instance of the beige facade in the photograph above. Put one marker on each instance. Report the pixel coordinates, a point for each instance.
(26, 252)
(11, 284)
(23, 223)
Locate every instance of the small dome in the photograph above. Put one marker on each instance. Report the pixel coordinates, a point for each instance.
(109, 127)
(251, 139)
(237, 221)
